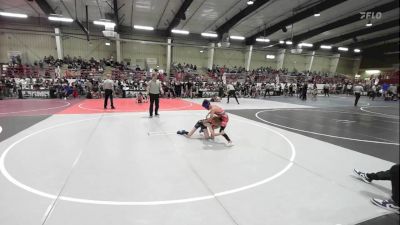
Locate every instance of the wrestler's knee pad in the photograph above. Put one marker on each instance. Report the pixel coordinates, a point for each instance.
(198, 124)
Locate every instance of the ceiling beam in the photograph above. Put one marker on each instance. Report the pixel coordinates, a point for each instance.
(76, 20)
(115, 9)
(348, 20)
(375, 40)
(227, 9)
(368, 30)
(382, 47)
(45, 7)
(224, 28)
(162, 14)
(180, 15)
(295, 18)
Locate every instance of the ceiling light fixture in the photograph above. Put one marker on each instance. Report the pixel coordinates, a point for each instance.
(262, 39)
(106, 23)
(343, 49)
(369, 23)
(209, 35)
(237, 37)
(326, 47)
(140, 27)
(317, 14)
(59, 18)
(357, 50)
(305, 45)
(180, 31)
(289, 42)
(108, 43)
(281, 42)
(17, 15)
(250, 2)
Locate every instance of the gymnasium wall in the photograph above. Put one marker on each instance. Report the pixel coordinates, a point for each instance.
(295, 62)
(321, 63)
(138, 53)
(191, 55)
(228, 57)
(32, 47)
(258, 59)
(346, 66)
(79, 46)
(36, 46)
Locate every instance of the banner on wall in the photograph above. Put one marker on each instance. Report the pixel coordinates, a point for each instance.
(14, 54)
(151, 61)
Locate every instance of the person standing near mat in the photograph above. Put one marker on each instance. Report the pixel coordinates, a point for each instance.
(108, 86)
(391, 204)
(357, 92)
(154, 90)
(231, 92)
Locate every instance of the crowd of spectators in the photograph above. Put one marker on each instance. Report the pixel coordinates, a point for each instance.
(259, 82)
(198, 86)
(93, 64)
(183, 67)
(49, 66)
(220, 70)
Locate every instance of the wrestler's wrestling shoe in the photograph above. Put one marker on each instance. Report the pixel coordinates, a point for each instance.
(182, 132)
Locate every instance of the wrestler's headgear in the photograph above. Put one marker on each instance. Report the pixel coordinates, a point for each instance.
(206, 104)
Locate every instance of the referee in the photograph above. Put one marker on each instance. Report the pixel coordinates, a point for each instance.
(108, 86)
(154, 90)
(231, 92)
(357, 89)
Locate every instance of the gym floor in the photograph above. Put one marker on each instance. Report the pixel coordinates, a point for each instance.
(72, 162)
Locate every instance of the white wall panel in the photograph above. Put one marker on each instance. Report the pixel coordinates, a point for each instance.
(295, 62)
(258, 59)
(228, 57)
(94, 48)
(321, 63)
(345, 66)
(189, 55)
(140, 52)
(32, 47)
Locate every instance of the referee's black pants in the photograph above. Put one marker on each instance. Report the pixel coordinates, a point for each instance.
(358, 95)
(154, 98)
(232, 93)
(108, 93)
